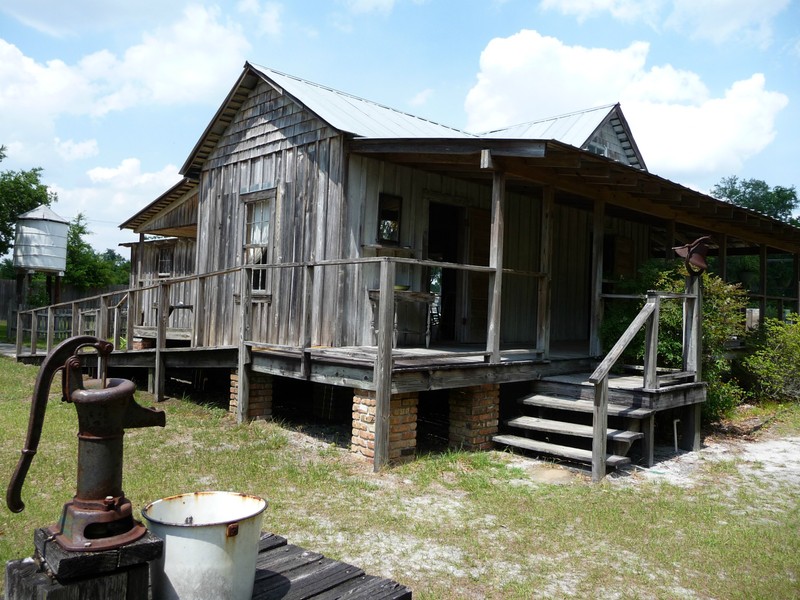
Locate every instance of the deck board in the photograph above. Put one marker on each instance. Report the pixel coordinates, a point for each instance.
(288, 572)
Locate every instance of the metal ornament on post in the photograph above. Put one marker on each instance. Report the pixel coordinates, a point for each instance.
(99, 517)
(694, 255)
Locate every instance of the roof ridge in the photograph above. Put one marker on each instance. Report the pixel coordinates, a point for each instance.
(267, 70)
(553, 118)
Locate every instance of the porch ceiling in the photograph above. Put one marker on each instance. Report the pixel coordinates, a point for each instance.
(581, 176)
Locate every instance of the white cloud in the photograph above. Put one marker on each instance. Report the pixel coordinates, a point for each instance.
(714, 20)
(268, 18)
(528, 76)
(709, 135)
(680, 127)
(65, 20)
(421, 98)
(723, 20)
(622, 10)
(366, 6)
(71, 150)
(116, 193)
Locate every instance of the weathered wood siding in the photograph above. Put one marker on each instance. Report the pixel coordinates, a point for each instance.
(572, 259)
(272, 143)
(181, 216)
(183, 263)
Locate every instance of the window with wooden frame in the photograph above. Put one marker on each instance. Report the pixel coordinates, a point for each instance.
(389, 211)
(258, 235)
(165, 260)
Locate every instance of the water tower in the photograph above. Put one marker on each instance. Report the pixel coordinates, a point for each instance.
(40, 246)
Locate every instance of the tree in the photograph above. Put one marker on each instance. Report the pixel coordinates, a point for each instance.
(777, 202)
(87, 268)
(20, 191)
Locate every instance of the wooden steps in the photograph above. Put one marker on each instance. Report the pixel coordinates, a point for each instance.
(585, 406)
(549, 426)
(612, 460)
(557, 421)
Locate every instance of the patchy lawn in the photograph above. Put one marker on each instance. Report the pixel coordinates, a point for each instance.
(719, 523)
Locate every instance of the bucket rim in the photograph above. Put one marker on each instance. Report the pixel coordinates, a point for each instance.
(152, 519)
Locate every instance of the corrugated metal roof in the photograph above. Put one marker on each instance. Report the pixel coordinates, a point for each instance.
(573, 128)
(355, 115)
(43, 213)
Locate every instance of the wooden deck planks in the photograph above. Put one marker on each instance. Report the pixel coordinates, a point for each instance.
(290, 572)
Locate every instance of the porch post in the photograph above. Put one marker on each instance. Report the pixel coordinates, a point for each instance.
(669, 253)
(692, 326)
(723, 257)
(762, 283)
(382, 376)
(796, 266)
(496, 262)
(546, 268)
(243, 356)
(596, 316)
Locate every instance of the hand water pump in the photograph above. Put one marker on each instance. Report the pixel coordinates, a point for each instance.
(99, 517)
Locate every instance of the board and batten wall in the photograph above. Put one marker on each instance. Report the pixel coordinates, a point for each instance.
(272, 143)
(148, 255)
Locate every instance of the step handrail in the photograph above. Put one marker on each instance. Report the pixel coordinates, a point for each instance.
(648, 315)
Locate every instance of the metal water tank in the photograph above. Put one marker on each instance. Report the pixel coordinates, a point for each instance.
(41, 241)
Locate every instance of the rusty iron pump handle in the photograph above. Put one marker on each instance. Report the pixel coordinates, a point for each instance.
(54, 362)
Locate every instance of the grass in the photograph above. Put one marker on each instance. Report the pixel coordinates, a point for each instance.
(452, 525)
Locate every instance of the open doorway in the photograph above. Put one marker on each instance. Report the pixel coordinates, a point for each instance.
(444, 245)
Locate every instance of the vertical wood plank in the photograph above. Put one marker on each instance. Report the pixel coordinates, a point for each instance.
(762, 283)
(651, 345)
(161, 338)
(596, 317)
(243, 364)
(198, 332)
(76, 319)
(34, 331)
(692, 326)
(723, 257)
(20, 333)
(600, 432)
(383, 364)
(129, 322)
(305, 325)
(50, 328)
(544, 316)
(496, 262)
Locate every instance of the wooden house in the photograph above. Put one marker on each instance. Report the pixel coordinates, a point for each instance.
(397, 263)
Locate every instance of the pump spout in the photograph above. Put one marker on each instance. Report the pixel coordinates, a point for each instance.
(140, 416)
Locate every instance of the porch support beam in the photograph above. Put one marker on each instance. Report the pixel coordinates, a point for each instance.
(382, 375)
(669, 243)
(796, 267)
(762, 283)
(723, 256)
(496, 263)
(546, 267)
(596, 316)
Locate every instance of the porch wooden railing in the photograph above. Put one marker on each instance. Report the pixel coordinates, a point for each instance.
(647, 317)
(153, 305)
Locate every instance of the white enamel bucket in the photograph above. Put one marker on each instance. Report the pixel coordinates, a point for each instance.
(210, 545)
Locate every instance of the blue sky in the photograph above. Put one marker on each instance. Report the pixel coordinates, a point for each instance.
(109, 97)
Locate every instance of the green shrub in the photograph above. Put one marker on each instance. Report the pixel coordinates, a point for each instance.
(723, 320)
(775, 362)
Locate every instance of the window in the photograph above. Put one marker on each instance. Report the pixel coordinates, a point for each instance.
(258, 216)
(165, 261)
(389, 219)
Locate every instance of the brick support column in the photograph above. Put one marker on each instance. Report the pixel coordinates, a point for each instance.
(260, 406)
(402, 425)
(474, 415)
